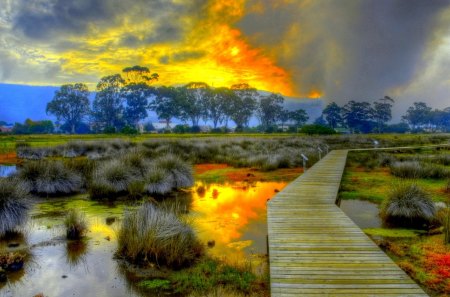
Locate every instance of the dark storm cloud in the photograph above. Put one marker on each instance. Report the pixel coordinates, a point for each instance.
(349, 49)
(46, 19)
(181, 56)
(43, 19)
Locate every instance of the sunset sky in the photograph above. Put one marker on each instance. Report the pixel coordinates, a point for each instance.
(339, 50)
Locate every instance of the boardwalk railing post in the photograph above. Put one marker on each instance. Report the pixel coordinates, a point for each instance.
(304, 162)
(320, 152)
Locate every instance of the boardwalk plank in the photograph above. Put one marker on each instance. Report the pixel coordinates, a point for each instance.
(316, 250)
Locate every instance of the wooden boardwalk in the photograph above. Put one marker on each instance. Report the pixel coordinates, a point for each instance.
(316, 250)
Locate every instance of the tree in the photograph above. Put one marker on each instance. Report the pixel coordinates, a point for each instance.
(242, 104)
(216, 105)
(139, 74)
(193, 98)
(136, 93)
(70, 104)
(166, 103)
(333, 115)
(136, 96)
(269, 108)
(382, 111)
(358, 116)
(299, 117)
(418, 114)
(33, 127)
(284, 116)
(107, 107)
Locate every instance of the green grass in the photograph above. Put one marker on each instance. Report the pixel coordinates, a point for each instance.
(385, 232)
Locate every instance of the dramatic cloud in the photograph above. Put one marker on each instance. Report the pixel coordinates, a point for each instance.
(338, 50)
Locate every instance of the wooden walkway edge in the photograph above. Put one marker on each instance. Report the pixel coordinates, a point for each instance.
(316, 250)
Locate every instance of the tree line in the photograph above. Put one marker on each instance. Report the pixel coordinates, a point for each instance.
(123, 100)
(366, 117)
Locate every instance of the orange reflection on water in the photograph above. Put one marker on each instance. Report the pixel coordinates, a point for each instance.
(234, 216)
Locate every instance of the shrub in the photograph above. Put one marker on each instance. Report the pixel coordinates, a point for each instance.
(414, 169)
(317, 130)
(158, 181)
(76, 224)
(49, 178)
(408, 205)
(407, 169)
(111, 177)
(180, 171)
(149, 234)
(14, 204)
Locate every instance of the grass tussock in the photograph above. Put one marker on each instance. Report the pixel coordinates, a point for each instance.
(150, 234)
(408, 205)
(416, 169)
(49, 178)
(14, 204)
(76, 224)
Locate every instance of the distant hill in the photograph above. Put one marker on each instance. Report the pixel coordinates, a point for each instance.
(19, 102)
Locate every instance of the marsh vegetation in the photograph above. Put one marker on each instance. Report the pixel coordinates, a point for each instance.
(410, 187)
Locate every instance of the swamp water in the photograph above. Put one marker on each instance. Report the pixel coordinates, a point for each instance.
(6, 170)
(231, 217)
(363, 213)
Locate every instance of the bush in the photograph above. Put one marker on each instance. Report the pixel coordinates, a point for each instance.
(149, 234)
(414, 169)
(180, 171)
(408, 205)
(317, 130)
(111, 178)
(49, 178)
(407, 169)
(14, 204)
(76, 224)
(158, 181)
(128, 130)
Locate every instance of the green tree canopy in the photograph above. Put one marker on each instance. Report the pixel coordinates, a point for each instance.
(107, 108)
(333, 115)
(70, 104)
(269, 109)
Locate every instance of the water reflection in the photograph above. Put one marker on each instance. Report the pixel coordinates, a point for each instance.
(76, 252)
(7, 170)
(233, 216)
(365, 214)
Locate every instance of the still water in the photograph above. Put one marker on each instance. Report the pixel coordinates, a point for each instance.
(232, 217)
(6, 170)
(363, 213)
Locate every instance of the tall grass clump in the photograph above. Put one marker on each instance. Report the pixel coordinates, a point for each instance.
(158, 181)
(408, 205)
(110, 178)
(406, 169)
(180, 171)
(416, 169)
(150, 234)
(76, 224)
(14, 204)
(49, 178)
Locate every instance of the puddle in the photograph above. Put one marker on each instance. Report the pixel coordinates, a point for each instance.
(7, 170)
(363, 213)
(232, 217)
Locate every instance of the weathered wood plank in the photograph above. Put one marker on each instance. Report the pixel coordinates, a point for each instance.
(316, 250)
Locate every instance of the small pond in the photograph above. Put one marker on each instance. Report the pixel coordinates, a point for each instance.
(6, 170)
(363, 213)
(233, 216)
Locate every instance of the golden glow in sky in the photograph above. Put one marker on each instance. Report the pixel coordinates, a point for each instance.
(334, 50)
